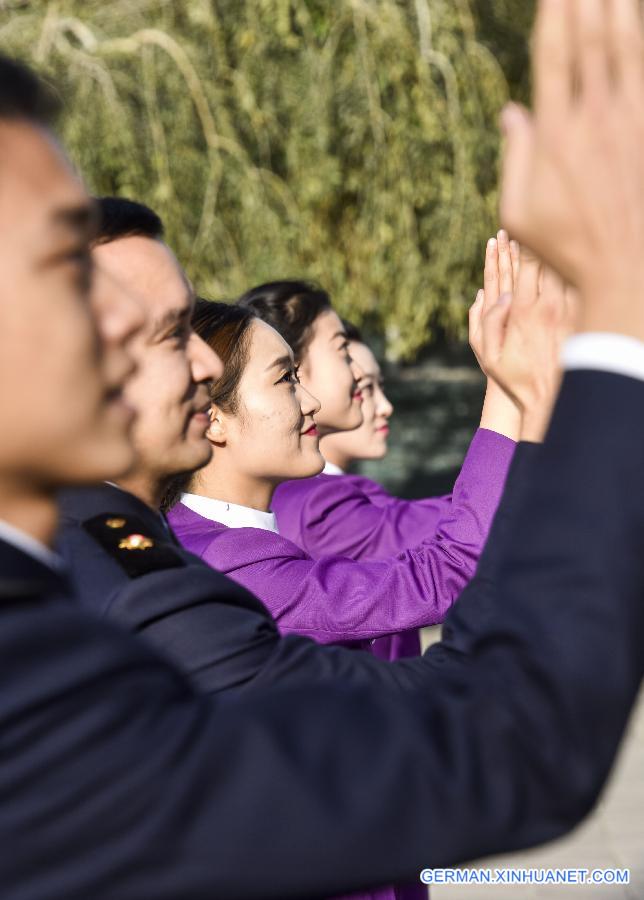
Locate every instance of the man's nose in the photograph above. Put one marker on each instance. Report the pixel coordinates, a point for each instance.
(206, 365)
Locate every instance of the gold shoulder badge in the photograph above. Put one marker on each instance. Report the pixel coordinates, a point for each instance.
(136, 542)
(121, 535)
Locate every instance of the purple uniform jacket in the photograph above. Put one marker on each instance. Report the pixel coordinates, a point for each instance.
(353, 516)
(336, 600)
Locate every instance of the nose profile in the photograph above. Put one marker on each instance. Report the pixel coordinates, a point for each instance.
(309, 404)
(356, 370)
(384, 406)
(204, 362)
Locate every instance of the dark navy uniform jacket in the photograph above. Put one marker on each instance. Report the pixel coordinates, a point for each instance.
(118, 780)
(218, 633)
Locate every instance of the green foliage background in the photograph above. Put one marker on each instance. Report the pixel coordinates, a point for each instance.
(349, 141)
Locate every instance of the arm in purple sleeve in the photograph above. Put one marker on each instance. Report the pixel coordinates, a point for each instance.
(336, 599)
(336, 515)
(379, 496)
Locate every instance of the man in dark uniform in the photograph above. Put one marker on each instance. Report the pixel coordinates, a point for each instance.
(118, 781)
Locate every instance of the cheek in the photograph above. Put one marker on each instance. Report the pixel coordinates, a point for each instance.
(368, 411)
(270, 419)
(157, 392)
(335, 390)
(169, 382)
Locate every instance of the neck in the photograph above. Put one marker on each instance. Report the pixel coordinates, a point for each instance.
(334, 454)
(222, 482)
(32, 510)
(146, 487)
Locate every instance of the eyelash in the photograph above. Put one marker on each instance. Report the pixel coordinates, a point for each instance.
(290, 377)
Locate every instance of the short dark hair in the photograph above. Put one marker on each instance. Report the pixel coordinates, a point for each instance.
(24, 95)
(291, 307)
(120, 218)
(353, 332)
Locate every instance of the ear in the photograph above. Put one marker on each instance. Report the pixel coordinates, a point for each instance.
(216, 432)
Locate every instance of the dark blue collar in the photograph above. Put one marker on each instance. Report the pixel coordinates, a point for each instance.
(80, 504)
(22, 575)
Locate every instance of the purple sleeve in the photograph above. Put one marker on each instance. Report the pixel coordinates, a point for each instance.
(336, 599)
(337, 515)
(425, 510)
(433, 506)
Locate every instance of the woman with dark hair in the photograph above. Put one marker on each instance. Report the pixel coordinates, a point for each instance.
(302, 313)
(263, 431)
(344, 448)
(352, 516)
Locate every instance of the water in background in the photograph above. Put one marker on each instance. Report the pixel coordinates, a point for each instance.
(437, 409)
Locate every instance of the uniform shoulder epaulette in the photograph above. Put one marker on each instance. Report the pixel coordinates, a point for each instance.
(127, 539)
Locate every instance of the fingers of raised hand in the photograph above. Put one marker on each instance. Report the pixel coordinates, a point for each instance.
(506, 279)
(518, 156)
(474, 318)
(592, 49)
(493, 327)
(627, 51)
(491, 273)
(609, 49)
(553, 63)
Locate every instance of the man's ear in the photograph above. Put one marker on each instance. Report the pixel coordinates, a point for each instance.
(216, 432)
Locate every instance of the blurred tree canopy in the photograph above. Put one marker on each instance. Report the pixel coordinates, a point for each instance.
(354, 142)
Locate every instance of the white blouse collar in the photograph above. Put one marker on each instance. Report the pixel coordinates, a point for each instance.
(230, 514)
(331, 469)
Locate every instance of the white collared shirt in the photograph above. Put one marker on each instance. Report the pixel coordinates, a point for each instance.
(605, 352)
(331, 469)
(29, 545)
(230, 514)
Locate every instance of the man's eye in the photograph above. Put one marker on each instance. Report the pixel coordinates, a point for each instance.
(179, 333)
(79, 253)
(82, 262)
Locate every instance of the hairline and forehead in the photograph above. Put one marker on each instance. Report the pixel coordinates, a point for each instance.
(284, 358)
(151, 272)
(371, 368)
(36, 166)
(327, 316)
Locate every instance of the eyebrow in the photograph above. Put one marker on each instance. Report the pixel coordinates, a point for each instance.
(79, 222)
(171, 317)
(82, 218)
(281, 362)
